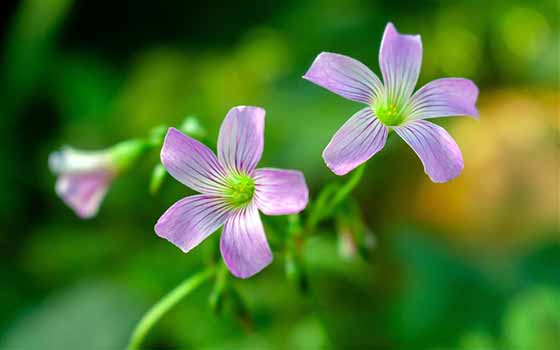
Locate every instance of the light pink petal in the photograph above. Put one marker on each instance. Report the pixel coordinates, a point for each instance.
(438, 152)
(241, 139)
(243, 243)
(189, 221)
(280, 192)
(192, 163)
(400, 58)
(362, 136)
(444, 97)
(84, 192)
(345, 76)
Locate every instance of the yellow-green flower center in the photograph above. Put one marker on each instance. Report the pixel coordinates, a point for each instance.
(389, 114)
(240, 189)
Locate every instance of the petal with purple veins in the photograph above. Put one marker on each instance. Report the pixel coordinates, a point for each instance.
(437, 150)
(84, 192)
(280, 192)
(400, 58)
(361, 137)
(444, 97)
(241, 139)
(243, 243)
(192, 163)
(345, 76)
(190, 220)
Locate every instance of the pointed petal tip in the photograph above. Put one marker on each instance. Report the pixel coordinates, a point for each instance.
(173, 131)
(336, 168)
(339, 171)
(446, 179)
(390, 26)
(245, 274)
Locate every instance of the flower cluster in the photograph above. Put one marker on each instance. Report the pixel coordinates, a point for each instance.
(232, 191)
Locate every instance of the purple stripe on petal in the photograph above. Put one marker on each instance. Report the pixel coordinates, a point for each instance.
(362, 136)
(241, 139)
(280, 192)
(190, 220)
(444, 97)
(243, 243)
(84, 192)
(192, 163)
(437, 150)
(400, 58)
(345, 76)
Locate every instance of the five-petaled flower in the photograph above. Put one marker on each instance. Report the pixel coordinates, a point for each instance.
(393, 106)
(232, 191)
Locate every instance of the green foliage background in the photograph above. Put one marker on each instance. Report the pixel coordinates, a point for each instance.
(472, 264)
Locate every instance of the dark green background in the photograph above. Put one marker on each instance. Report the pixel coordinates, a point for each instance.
(473, 264)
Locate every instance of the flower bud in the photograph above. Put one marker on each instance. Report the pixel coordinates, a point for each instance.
(85, 176)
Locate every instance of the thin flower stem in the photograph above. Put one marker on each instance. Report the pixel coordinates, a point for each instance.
(349, 186)
(319, 207)
(323, 207)
(157, 311)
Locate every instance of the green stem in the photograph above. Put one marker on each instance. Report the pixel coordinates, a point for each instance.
(349, 186)
(323, 207)
(157, 311)
(319, 207)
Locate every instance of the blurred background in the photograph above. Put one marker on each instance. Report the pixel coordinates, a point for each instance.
(473, 264)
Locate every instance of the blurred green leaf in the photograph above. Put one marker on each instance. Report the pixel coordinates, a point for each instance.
(93, 316)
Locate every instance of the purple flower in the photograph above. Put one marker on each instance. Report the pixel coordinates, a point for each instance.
(84, 177)
(232, 191)
(393, 106)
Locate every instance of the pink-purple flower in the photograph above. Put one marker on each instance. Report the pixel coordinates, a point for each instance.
(232, 191)
(391, 105)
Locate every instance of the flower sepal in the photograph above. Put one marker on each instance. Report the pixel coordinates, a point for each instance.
(125, 154)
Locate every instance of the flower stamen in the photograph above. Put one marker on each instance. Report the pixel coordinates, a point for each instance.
(240, 189)
(388, 113)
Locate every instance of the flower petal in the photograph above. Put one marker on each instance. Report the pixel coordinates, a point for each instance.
(444, 97)
(437, 150)
(191, 163)
(241, 139)
(243, 244)
(400, 58)
(84, 192)
(280, 192)
(362, 136)
(345, 76)
(190, 220)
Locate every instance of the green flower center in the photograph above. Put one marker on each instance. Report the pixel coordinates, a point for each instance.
(240, 189)
(388, 113)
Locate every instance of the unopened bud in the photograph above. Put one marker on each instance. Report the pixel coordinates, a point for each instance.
(158, 176)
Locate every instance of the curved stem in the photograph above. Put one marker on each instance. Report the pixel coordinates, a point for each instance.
(157, 311)
(323, 207)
